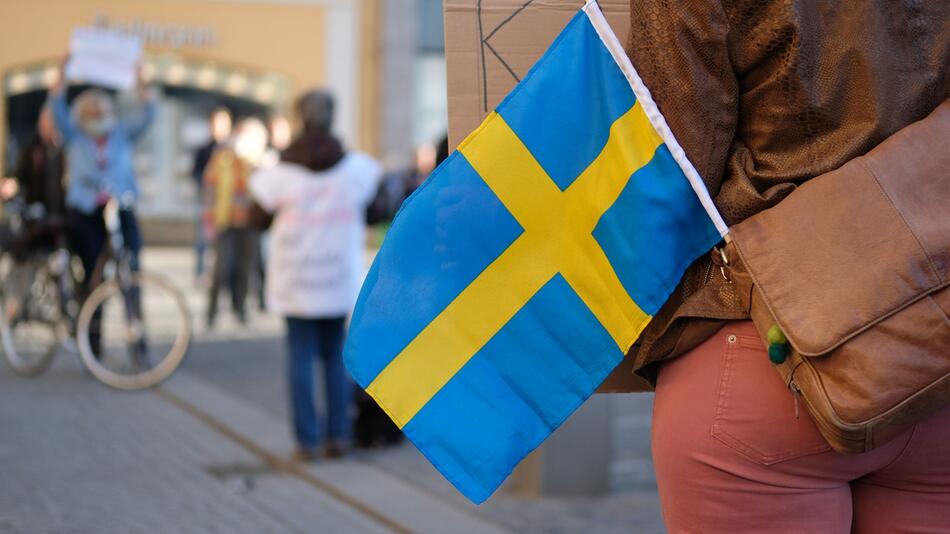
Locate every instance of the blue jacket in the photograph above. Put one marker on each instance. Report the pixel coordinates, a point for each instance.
(86, 178)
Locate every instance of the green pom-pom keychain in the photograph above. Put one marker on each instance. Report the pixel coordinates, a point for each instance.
(775, 336)
(778, 353)
(778, 344)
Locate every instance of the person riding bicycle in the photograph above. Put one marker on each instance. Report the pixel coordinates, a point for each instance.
(99, 148)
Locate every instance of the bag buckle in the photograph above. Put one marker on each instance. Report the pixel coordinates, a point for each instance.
(723, 262)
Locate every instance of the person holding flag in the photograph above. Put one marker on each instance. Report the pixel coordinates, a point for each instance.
(765, 97)
(577, 226)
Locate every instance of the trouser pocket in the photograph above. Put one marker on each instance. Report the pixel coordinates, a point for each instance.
(756, 415)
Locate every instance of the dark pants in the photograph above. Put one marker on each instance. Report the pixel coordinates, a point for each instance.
(201, 243)
(235, 255)
(307, 340)
(88, 235)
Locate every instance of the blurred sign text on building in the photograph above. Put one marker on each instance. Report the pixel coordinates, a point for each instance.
(157, 34)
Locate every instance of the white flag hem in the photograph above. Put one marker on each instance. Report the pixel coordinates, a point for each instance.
(642, 93)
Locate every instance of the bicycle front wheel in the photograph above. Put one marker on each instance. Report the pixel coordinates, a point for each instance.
(28, 320)
(29, 346)
(133, 335)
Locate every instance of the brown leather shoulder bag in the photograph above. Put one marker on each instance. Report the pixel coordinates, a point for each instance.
(854, 268)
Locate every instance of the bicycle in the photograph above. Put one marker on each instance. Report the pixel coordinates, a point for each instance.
(37, 292)
(118, 354)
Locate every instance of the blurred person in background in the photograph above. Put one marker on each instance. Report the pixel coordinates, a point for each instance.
(280, 135)
(226, 216)
(279, 138)
(423, 164)
(38, 194)
(396, 186)
(39, 178)
(99, 148)
(372, 427)
(317, 196)
(220, 126)
(442, 150)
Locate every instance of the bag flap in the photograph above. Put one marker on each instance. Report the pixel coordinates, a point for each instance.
(855, 245)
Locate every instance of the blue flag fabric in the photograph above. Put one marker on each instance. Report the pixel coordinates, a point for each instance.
(517, 277)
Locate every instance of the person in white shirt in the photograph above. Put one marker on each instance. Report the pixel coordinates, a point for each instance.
(317, 195)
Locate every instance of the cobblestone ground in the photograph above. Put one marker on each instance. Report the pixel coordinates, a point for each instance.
(77, 457)
(632, 506)
(198, 456)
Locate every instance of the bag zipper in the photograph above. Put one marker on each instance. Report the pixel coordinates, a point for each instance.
(796, 391)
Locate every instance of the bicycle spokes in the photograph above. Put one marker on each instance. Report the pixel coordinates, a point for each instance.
(124, 349)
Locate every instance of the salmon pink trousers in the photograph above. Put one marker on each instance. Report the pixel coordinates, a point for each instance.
(733, 453)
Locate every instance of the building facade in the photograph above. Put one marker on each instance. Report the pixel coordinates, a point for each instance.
(252, 56)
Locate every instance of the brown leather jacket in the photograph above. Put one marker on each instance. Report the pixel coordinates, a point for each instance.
(764, 95)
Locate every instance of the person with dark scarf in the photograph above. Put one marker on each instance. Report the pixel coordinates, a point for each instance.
(316, 195)
(39, 175)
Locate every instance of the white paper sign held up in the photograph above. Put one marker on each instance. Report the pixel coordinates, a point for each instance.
(104, 58)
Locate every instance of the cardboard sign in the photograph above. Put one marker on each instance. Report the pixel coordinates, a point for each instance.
(104, 58)
(491, 44)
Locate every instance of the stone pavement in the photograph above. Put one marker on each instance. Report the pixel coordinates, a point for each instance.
(207, 452)
(77, 457)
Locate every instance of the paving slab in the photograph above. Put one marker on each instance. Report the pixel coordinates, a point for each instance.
(363, 485)
(78, 457)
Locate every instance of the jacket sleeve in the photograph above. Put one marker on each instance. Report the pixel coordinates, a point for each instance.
(370, 174)
(680, 50)
(64, 121)
(137, 127)
(263, 201)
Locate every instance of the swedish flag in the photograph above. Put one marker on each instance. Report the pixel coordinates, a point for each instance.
(516, 278)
